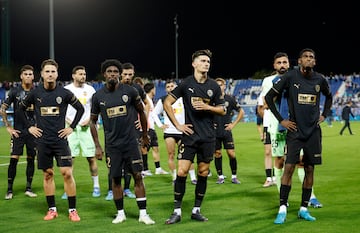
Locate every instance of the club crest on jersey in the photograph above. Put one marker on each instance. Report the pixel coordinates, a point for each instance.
(125, 98)
(317, 88)
(58, 100)
(210, 93)
(226, 103)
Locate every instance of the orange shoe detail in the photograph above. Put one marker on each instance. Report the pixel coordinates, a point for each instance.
(74, 217)
(50, 215)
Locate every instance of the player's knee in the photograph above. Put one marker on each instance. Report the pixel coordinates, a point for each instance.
(218, 154)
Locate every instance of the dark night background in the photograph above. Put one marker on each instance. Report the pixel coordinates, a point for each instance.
(242, 36)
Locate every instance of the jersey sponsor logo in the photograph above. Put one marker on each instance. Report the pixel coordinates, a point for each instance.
(195, 99)
(307, 99)
(50, 111)
(82, 99)
(178, 108)
(116, 111)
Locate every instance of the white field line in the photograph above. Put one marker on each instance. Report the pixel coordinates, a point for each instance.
(7, 164)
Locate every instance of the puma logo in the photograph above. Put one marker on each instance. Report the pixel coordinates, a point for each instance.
(191, 89)
(297, 86)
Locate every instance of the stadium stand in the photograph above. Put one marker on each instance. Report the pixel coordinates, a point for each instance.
(246, 91)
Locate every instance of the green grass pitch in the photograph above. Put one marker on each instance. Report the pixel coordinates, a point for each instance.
(247, 207)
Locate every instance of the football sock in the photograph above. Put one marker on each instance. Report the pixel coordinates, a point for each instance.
(192, 174)
(301, 174)
(278, 174)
